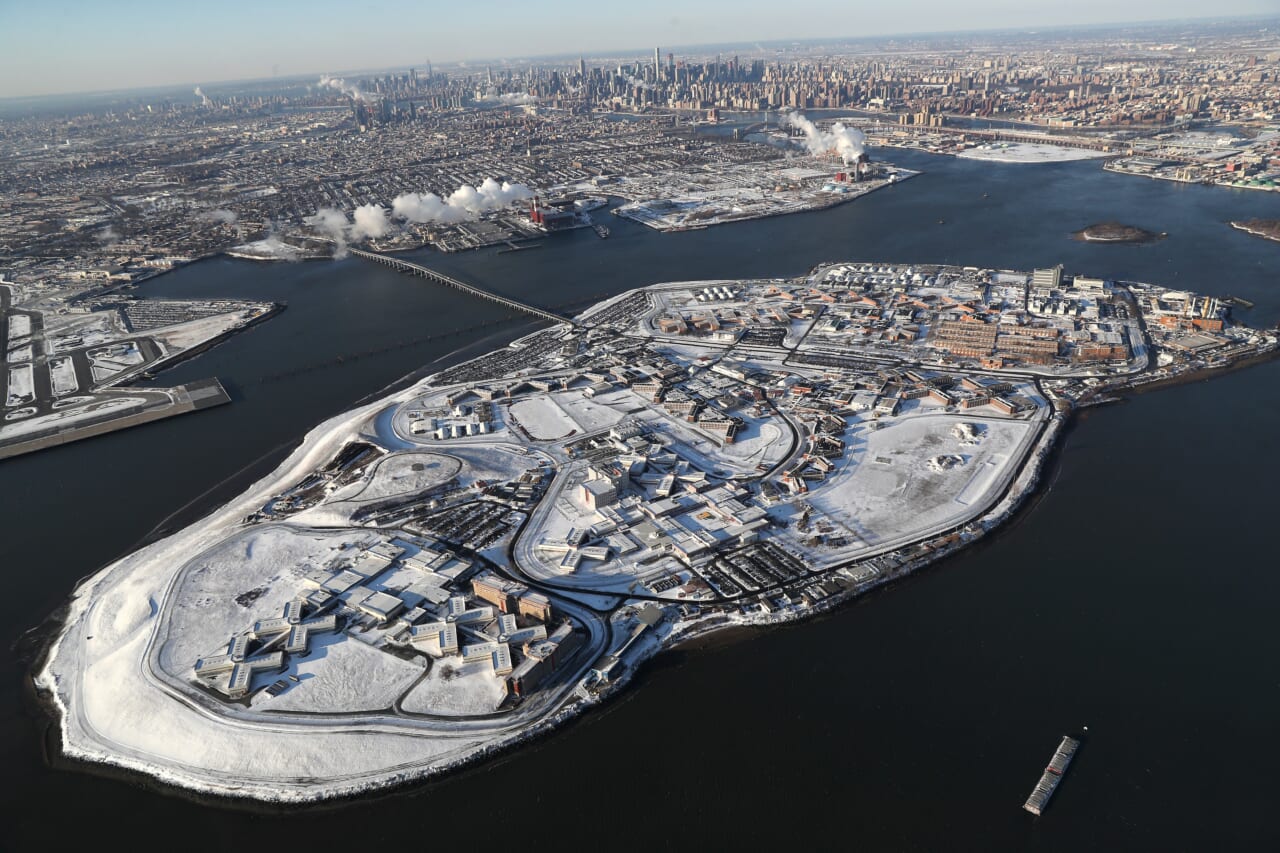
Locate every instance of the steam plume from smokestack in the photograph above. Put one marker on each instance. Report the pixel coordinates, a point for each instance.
(369, 221)
(849, 142)
(509, 99)
(333, 224)
(351, 91)
(466, 202)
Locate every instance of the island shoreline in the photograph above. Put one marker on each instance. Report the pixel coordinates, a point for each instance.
(1018, 496)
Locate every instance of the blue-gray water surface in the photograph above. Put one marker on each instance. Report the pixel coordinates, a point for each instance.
(1136, 596)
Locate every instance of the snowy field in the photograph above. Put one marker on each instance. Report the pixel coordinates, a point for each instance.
(183, 336)
(495, 463)
(1029, 152)
(895, 485)
(22, 353)
(232, 757)
(62, 374)
(542, 418)
(400, 474)
(339, 674)
(595, 413)
(19, 326)
(268, 562)
(457, 689)
(22, 385)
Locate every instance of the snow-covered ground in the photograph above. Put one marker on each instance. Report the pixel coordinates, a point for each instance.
(66, 332)
(104, 670)
(19, 326)
(94, 322)
(109, 360)
(183, 336)
(179, 743)
(495, 463)
(341, 674)
(202, 612)
(1029, 152)
(893, 487)
(542, 418)
(594, 414)
(399, 474)
(22, 385)
(270, 249)
(62, 374)
(22, 353)
(457, 689)
(113, 406)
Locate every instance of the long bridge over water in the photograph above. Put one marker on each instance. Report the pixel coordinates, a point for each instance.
(401, 265)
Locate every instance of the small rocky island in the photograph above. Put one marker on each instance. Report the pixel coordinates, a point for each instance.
(1116, 232)
(1268, 229)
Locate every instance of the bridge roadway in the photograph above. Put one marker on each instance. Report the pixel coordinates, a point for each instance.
(440, 278)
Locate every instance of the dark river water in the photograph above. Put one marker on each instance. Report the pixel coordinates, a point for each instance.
(1137, 596)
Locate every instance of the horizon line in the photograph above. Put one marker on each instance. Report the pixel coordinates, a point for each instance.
(642, 53)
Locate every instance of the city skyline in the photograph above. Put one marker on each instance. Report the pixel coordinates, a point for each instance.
(71, 48)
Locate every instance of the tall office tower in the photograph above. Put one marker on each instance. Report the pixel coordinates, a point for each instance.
(657, 65)
(582, 68)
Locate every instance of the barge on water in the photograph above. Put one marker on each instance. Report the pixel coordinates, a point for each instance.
(1052, 775)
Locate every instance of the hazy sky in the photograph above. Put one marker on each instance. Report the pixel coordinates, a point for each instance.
(49, 46)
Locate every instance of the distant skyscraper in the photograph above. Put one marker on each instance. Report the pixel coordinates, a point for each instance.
(582, 68)
(657, 64)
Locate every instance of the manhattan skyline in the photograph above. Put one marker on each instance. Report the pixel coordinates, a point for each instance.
(71, 47)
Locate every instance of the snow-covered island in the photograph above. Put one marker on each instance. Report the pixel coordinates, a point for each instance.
(441, 573)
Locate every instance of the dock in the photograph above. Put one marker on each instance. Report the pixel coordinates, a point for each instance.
(518, 247)
(1052, 775)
